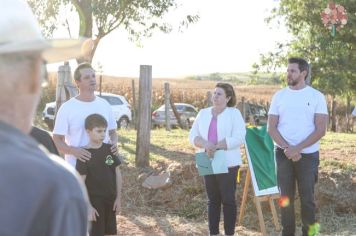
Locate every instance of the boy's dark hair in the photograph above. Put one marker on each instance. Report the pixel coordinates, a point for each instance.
(83, 65)
(302, 64)
(229, 91)
(94, 121)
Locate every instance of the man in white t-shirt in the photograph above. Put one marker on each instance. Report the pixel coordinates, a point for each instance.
(354, 112)
(69, 133)
(297, 120)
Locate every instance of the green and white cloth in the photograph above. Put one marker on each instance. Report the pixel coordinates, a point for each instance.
(260, 156)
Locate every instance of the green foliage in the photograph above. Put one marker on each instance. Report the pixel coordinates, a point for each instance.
(98, 18)
(332, 58)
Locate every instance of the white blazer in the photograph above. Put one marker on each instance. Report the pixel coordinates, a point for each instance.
(230, 126)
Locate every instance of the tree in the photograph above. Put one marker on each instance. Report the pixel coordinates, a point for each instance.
(332, 58)
(97, 18)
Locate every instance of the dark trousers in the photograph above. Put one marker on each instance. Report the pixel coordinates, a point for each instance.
(221, 189)
(106, 221)
(304, 173)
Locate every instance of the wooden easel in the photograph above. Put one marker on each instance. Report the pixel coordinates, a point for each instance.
(258, 200)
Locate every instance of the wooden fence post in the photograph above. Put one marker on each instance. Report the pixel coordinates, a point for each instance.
(243, 108)
(166, 106)
(144, 118)
(209, 99)
(134, 114)
(65, 88)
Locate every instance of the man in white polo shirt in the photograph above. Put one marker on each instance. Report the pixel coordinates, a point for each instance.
(297, 120)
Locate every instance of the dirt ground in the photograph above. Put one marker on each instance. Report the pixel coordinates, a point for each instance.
(159, 212)
(180, 209)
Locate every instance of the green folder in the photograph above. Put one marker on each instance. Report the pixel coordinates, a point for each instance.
(211, 166)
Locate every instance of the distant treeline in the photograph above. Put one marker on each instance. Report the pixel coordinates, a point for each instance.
(242, 78)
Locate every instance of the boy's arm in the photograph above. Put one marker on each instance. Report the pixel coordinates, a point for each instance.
(92, 213)
(117, 203)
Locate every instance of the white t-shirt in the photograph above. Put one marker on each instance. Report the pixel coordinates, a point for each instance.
(70, 122)
(354, 111)
(296, 110)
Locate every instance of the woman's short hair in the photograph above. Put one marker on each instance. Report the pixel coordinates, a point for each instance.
(229, 91)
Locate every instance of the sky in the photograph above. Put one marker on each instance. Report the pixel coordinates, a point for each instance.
(229, 37)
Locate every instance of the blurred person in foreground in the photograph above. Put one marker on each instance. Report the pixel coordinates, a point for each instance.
(39, 193)
(221, 127)
(44, 138)
(297, 120)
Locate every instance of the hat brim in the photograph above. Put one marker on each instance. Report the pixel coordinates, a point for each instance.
(55, 50)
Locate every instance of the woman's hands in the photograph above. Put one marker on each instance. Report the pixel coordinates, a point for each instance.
(210, 148)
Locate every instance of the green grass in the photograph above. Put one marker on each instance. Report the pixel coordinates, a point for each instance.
(166, 146)
(338, 151)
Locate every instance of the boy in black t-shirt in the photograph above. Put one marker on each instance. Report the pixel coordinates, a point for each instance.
(102, 178)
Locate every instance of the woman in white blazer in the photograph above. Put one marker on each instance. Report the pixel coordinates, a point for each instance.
(221, 127)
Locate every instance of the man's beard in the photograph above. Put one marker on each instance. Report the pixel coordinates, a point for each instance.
(292, 82)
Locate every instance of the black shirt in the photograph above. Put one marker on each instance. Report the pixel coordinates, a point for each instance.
(44, 138)
(100, 171)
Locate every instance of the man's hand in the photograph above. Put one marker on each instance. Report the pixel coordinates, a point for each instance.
(296, 158)
(117, 205)
(92, 213)
(114, 149)
(291, 151)
(80, 153)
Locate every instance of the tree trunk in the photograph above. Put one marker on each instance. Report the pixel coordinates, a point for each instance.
(333, 114)
(85, 12)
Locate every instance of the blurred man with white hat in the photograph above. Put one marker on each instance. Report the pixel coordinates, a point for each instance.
(39, 193)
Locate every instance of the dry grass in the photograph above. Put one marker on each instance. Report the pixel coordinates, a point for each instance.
(181, 208)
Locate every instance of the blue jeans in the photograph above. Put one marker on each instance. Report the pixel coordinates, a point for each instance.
(304, 173)
(221, 189)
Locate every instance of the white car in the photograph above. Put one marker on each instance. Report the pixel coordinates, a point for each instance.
(120, 107)
(187, 115)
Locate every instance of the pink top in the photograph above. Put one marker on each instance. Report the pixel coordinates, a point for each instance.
(213, 131)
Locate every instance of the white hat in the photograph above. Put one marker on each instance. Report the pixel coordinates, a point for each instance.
(19, 32)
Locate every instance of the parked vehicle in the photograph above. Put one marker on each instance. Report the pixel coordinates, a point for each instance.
(253, 111)
(187, 115)
(120, 107)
